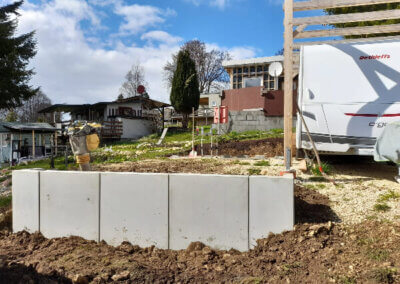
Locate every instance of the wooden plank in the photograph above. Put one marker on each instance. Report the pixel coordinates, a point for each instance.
(298, 45)
(348, 18)
(288, 83)
(381, 29)
(299, 29)
(326, 4)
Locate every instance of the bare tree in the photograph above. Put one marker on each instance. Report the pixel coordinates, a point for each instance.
(208, 66)
(133, 79)
(28, 112)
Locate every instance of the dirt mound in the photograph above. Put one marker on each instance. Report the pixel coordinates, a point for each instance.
(370, 252)
(270, 147)
(312, 253)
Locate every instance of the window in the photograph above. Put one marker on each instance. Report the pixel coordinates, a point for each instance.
(214, 103)
(252, 69)
(259, 69)
(252, 82)
(245, 70)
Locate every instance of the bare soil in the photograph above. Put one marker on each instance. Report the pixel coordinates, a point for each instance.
(317, 251)
(270, 147)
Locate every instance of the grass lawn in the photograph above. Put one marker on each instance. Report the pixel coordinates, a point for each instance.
(145, 148)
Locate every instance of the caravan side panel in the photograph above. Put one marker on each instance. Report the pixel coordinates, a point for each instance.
(349, 93)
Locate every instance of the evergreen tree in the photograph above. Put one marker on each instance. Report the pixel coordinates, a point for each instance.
(361, 9)
(185, 92)
(15, 52)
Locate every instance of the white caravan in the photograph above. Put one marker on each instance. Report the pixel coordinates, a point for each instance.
(348, 93)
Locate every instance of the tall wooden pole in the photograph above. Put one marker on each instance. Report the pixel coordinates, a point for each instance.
(288, 86)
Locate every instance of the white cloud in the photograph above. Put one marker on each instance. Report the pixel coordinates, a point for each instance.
(236, 52)
(139, 17)
(74, 67)
(161, 36)
(219, 3)
(71, 70)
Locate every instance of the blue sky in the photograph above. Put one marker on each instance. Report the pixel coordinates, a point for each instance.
(85, 47)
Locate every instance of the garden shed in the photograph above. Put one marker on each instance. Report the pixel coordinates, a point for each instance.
(24, 140)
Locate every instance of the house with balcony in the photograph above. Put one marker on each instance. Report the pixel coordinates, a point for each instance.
(128, 118)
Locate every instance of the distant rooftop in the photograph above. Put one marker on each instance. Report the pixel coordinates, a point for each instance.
(252, 61)
(25, 126)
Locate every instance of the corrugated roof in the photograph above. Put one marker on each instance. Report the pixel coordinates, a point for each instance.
(252, 61)
(28, 126)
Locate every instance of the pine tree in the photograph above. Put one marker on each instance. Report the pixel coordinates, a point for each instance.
(361, 9)
(185, 92)
(15, 52)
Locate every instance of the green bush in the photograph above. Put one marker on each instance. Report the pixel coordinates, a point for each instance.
(325, 167)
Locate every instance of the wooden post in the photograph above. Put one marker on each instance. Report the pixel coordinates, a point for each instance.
(55, 143)
(288, 86)
(33, 144)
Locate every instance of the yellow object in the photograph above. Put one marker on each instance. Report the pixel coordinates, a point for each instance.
(83, 159)
(92, 142)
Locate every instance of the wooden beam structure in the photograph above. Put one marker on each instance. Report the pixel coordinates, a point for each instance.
(395, 28)
(288, 83)
(298, 45)
(291, 60)
(348, 18)
(326, 4)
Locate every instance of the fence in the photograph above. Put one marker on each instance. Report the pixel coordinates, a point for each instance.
(164, 210)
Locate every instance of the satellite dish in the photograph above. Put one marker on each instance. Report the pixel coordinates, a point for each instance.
(141, 89)
(275, 69)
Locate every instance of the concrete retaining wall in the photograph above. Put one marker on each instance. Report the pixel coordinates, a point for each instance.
(241, 121)
(167, 211)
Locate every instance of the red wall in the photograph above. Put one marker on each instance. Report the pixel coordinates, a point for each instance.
(250, 98)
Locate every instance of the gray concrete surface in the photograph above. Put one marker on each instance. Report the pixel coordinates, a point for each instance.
(69, 204)
(25, 198)
(271, 206)
(134, 208)
(211, 209)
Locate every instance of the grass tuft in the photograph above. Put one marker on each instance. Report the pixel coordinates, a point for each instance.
(5, 201)
(262, 164)
(388, 196)
(254, 172)
(381, 207)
